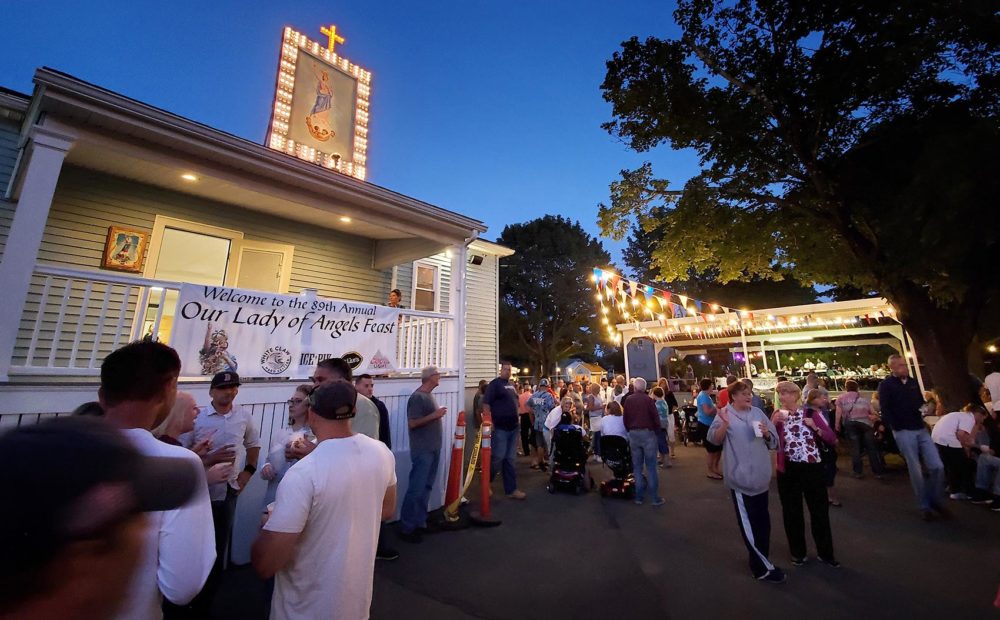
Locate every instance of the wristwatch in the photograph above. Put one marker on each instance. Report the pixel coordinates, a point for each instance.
(250, 469)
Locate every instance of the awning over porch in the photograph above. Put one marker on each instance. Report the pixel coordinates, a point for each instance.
(772, 330)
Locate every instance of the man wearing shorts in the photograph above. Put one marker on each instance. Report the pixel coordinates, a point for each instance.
(706, 414)
(541, 403)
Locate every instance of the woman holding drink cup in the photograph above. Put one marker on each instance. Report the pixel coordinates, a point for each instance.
(746, 436)
(292, 444)
(801, 474)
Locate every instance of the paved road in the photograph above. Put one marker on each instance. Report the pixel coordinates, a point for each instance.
(587, 557)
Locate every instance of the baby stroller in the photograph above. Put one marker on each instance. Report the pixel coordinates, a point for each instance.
(569, 460)
(689, 430)
(618, 458)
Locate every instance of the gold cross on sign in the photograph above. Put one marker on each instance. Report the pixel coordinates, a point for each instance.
(331, 32)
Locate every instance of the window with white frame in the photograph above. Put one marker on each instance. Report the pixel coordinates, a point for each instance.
(425, 287)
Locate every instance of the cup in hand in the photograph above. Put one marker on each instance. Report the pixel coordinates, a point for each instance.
(758, 429)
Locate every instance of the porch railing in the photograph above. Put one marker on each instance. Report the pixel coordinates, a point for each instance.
(73, 318)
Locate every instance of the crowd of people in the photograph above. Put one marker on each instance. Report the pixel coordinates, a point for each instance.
(149, 500)
(803, 426)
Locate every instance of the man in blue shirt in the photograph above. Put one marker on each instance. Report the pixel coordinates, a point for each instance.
(541, 402)
(500, 402)
(900, 399)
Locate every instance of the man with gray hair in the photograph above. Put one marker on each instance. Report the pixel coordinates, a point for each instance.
(424, 421)
(900, 399)
(642, 421)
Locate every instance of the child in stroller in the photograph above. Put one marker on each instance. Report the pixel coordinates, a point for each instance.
(569, 457)
(618, 458)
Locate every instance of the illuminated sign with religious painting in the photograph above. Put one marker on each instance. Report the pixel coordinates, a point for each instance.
(321, 104)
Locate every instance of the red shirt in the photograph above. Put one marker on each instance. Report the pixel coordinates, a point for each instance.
(640, 412)
(723, 397)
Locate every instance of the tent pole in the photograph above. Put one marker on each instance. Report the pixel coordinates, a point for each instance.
(746, 354)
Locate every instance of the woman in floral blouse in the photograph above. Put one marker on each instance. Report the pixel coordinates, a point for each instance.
(800, 474)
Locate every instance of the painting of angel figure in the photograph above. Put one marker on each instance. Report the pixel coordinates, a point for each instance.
(124, 249)
(215, 356)
(323, 107)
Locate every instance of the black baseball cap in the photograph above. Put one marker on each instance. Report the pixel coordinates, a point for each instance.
(77, 478)
(335, 400)
(225, 379)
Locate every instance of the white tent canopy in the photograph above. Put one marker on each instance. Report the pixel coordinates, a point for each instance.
(773, 330)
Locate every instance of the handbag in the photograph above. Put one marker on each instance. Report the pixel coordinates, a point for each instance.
(826, 451)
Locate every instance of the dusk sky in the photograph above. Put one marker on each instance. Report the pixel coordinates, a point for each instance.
(489, 109)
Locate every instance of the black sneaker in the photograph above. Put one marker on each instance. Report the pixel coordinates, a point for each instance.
(386, 554)
(832, 563)
(413, 537)
(773, 576)
(799, 561)
(995, 505)
(979, 497)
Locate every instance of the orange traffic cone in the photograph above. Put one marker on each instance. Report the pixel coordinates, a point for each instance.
(455, 471)
(483, 518)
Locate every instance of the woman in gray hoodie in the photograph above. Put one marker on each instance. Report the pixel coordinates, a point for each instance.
(747, 435)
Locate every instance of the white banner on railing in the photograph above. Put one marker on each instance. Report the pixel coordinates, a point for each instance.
(259, 334)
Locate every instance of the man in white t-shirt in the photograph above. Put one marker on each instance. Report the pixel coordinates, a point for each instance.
(319, 542)
(138, 389)
(952, 433)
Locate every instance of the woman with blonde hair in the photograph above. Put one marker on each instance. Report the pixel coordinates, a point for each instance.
(180, 421)
(801, 473)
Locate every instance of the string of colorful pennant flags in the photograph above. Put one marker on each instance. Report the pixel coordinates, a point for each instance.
(639, 303)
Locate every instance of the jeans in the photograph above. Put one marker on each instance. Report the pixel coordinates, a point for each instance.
(504, 445)
(805, 481)
(596, 443)
(423, 470)
(861, 435)
(916, 446)
(988, 474)
(642, 442)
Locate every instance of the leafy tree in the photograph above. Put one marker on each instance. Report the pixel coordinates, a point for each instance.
(547, 306)
(751, 291)
(853, 142)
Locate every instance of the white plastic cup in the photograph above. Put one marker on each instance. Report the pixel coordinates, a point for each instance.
(758, 429)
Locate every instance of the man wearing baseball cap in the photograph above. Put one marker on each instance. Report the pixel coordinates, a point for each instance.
(234, 438)
(319, 542)
(75, 535)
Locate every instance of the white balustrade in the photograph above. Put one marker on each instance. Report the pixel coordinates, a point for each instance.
(73, 318)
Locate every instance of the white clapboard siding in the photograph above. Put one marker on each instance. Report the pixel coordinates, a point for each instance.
(404, 280)
(9, 129)
(481, 336)
(336, 264)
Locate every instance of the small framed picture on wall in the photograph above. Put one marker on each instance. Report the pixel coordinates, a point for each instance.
(125, 249)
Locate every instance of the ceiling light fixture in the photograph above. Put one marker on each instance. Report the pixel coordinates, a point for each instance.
(187, 176)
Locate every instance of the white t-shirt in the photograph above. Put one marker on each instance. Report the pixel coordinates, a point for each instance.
(944, 432)
(613, 425)
(596, 415)
(333, 497)
(180, 544)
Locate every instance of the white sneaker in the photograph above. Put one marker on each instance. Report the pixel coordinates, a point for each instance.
(959, 496)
